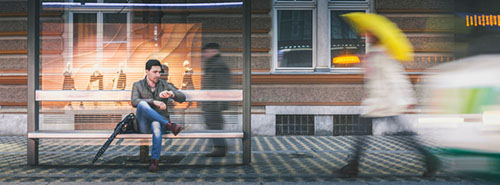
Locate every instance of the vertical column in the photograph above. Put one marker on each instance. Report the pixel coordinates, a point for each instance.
(247, 88)
(99, 39)
(323, 43)
(33, 77)
(68, 58)
(129, 36)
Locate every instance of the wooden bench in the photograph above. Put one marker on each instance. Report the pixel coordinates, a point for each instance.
(108, 95)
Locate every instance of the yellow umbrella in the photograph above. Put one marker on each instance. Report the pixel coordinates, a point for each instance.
(386, 31)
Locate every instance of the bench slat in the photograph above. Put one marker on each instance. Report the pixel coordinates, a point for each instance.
(105, 134)
(124, 95)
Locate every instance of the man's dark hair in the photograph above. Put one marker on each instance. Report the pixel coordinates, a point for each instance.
(151, 63)
(211, 46)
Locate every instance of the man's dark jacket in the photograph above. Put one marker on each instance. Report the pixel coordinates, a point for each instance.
(217, 76)
(142, 92)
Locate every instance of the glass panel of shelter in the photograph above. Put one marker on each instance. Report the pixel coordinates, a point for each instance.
(92, 48)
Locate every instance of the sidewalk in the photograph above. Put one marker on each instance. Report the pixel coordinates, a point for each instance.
(287, 159)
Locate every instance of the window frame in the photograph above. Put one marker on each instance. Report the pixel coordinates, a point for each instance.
(366, 5)
(99, 28)
(331, 66)
(294, 5)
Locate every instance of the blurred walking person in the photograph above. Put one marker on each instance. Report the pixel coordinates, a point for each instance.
(388, 91)
(216, 76)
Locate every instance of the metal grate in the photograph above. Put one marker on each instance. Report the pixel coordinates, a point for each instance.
(294, 125)
(351, 124)
(98, 118)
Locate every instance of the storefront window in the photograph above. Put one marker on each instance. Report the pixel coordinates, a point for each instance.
(105, 46)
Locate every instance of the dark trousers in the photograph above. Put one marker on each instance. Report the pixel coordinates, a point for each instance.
(360, 143)
(214, 121)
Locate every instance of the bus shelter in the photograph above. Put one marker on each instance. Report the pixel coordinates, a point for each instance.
(82, 52)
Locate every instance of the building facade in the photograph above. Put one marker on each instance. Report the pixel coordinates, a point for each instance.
(300, 86)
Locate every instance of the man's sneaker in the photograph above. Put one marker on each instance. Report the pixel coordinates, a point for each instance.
(154, 165)
(175, 128)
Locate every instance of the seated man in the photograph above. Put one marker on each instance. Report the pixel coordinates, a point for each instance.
(150, 97)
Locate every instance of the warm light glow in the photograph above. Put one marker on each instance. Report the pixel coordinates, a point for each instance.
(467, 19)
(475, 20)
(346, 59)
(482, 20)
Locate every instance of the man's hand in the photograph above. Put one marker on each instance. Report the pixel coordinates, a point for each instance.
(167, 94)
(160, 104)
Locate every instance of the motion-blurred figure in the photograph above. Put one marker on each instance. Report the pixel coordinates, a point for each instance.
(216, 76)
(388, 91)
(464, 97)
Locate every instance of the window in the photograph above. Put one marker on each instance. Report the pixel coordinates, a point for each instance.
(295, 38)
(294, 125)
(311, 35)
(345, 44)
(98, 36)
(351, 124)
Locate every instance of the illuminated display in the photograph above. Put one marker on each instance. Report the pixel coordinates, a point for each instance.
(118, 60)
(482, 20)
(346, 59)
(99, 68)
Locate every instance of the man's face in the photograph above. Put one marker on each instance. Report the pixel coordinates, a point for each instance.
(154, 73)
(209, 53)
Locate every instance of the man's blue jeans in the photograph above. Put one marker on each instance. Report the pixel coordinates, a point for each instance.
(151, 121)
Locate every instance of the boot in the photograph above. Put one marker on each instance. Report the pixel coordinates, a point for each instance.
(350, 170)
(219, 151)
(432, 166)
(154, 165)
(175, 128)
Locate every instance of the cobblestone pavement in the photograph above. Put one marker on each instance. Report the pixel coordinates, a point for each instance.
(274, 159)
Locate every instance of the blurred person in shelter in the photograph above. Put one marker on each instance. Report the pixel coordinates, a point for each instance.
(216, 76)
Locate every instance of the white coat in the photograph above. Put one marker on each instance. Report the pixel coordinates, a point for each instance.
(388, 91)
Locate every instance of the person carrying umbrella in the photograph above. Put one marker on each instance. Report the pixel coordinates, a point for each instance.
(388, 91)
